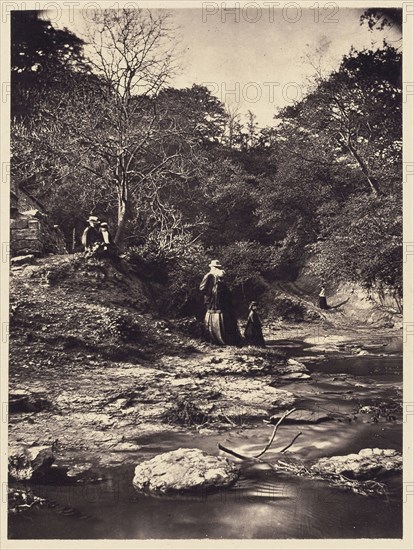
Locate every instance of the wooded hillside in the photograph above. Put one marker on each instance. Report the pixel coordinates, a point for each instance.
(182, 179)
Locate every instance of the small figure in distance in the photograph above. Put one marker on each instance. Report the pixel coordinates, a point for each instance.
(323, 304)
(253, 332)
(91, 237)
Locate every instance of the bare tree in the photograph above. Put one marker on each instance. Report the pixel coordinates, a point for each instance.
(252, 129)
(132, 51)
(233, 127)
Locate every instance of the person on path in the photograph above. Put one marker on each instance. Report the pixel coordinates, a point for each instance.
(322, 298)
(91, 236)
(220, 321)
(253, 332)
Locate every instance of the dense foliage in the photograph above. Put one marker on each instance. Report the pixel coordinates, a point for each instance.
(181, 179)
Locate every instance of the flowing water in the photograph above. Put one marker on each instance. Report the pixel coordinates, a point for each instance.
(264, 503)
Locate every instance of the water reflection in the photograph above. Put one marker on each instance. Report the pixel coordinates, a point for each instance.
(262, 505)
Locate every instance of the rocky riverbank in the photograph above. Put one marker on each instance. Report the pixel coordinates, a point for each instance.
(93, 372)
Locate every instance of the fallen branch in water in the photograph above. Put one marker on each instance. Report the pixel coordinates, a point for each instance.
(267, 447)
(365, 488)
(233, 453)
(291, 443)
(285, 415)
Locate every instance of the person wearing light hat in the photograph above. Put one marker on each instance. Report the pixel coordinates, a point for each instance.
(220, 322)
(91, 236)
(208, 285)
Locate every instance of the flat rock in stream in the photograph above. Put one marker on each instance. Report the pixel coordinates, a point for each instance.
(295, 366)
(313, 358)
(184, 470)
(302, 416)
(249, 398)
(294, 376)
(367, 464)
(294, 370)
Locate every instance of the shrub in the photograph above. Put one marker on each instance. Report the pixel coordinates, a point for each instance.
(121, 327)
(185, 413)
(179, 266)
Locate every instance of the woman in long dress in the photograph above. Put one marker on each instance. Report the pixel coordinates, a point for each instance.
(322, 298)
(220, 321)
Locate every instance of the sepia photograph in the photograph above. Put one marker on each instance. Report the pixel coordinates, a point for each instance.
(207, 296)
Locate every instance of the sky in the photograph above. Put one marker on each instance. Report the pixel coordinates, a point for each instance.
(259, 60)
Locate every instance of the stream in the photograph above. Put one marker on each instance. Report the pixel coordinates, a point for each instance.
(264, 503)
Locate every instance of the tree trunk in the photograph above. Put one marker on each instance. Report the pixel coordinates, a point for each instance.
(122, 220)
(123, 201)
(373, 183)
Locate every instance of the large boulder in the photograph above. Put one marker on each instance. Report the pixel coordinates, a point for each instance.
(29, 463)
(367, 464)
(184, 470)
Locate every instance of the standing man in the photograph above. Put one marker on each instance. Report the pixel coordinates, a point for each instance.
(91, 237)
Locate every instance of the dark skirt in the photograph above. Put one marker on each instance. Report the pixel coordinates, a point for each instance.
(253, 334)
(322, 302)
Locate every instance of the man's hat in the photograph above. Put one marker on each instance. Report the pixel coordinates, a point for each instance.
(215, 263)
(104, 224)
(252, 304)
(93, 219)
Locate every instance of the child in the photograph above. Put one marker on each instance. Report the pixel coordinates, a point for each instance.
(253, 331)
